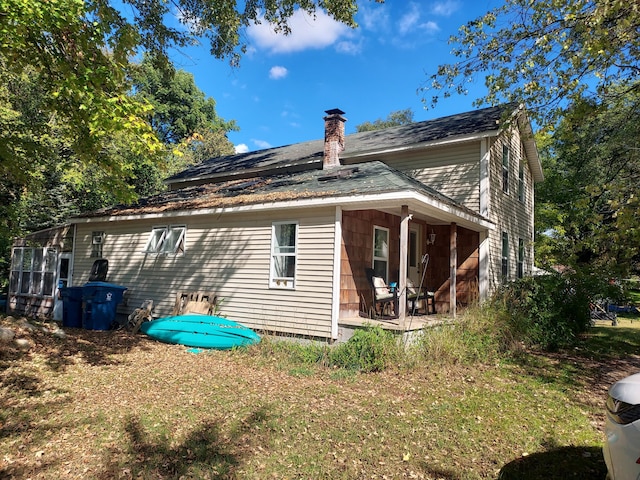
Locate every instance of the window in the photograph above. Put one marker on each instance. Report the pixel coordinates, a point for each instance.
(284, 252)
(521, 184)
(33, 271)
(505, 168)
(381, 252)
(167, 240)
(97, 240)
(520, 258)
(505, 256)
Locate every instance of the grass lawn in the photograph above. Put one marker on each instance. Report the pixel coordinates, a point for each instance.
(108, 405)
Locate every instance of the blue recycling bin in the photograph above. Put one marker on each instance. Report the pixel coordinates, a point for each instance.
(71, 306)
(100, 300)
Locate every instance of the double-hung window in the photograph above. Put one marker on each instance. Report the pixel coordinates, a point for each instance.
(505, 168)
(381, 251)
(505, 256)
(521, 184)
(166, 240)
(520, 258)
(284, 253)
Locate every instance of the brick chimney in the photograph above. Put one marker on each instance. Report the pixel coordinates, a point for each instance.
(333, 137)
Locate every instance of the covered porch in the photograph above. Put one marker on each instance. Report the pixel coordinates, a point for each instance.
(394, 241)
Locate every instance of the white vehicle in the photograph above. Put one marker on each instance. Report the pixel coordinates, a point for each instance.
(622, 428)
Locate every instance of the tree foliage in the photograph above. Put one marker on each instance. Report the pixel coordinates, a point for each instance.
(82, 50)
(544, 52)
(588, 208)
(394, 119)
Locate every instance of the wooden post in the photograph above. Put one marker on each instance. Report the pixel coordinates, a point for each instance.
(402, 281)
(453, 264)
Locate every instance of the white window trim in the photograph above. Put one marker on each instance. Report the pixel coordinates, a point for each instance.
(160, 233)
(506, 155)
(521, 183)
(284, 283)
(521, 258)
(373, 248)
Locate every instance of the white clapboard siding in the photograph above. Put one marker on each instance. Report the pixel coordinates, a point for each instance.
(230, 256)
(453, 171)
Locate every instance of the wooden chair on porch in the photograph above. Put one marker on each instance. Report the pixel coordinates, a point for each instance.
(417, 297)
(385, 298)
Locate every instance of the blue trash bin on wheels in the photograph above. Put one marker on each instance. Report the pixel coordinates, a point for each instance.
(100, 301)
(71, 307)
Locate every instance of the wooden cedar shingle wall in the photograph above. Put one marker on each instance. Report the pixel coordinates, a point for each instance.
(357, 255)
(438, 274)
(229, 255)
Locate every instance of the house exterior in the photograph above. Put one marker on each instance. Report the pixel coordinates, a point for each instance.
(284, 235)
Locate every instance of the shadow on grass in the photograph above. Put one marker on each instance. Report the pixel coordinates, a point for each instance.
(60, 350)
(585, 463)
(603, 355)
(206, 452)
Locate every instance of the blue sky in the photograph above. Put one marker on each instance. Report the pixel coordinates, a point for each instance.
(283, 85)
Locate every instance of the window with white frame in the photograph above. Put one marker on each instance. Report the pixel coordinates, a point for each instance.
(381, 252)
(166, 240)
(33, 271)
(520, 258)
(505, 168)
(505, 256)
(521, 183)
(284, 253)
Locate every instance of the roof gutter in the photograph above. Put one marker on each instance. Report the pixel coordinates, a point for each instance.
(416, 201)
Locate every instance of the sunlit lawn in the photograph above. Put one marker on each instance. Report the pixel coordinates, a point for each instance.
(110, 405)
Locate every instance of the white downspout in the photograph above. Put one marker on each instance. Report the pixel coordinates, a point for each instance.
(337, 252)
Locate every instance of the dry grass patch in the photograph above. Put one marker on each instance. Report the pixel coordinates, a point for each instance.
(108, 405)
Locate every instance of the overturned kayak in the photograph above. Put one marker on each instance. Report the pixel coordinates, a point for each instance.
(202, 331)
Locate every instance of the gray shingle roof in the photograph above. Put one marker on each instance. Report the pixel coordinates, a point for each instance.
(369, 178)
(304, 155)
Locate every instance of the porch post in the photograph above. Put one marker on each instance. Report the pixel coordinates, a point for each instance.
(402, 281)
(453, 263)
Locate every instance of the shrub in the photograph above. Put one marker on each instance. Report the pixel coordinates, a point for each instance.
(370, 349)
(549, 311)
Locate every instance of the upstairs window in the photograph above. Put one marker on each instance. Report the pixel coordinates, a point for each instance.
(505, 256)
(505, 168)
(284, 253)
(521, 184)
(167, 240)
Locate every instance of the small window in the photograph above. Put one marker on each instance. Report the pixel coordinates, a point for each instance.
(505, 256)
(521, 184)
(284, 252)
(520, 258)
(97, 240)
(168, 240)
(505, 168)
(381, 252)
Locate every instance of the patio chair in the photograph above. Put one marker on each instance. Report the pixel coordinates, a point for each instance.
(385, 298)
(422, 296)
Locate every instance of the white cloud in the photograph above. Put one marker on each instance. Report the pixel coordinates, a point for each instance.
(348, 47)
(409, 20)
(306, 33)
(412, 22)
(241, 148)
(374, 18)
(261, 143)
(277, 72)
(446, 8)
